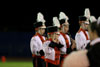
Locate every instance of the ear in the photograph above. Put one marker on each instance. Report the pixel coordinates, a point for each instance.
(95, 33)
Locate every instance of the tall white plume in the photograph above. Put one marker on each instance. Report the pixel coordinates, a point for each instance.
(62, 15)
(56, 22)
(92, 19)
(87, 13)
(40, 17)
(98, 22)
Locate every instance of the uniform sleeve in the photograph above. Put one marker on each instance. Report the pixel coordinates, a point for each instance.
(33, 46)
(86, 43)
(63, 49)
(49, 52)
(45, 44)
(80, 41)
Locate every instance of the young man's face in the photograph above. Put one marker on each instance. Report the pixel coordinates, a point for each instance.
(42, 31)
(56, 35)
(66, 27)
(84, 25)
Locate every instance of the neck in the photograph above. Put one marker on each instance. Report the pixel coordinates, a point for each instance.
(62, 31)
(82, 28)
(38, 33)
(95, 37)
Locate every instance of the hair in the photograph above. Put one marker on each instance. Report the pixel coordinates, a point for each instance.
(95, 27)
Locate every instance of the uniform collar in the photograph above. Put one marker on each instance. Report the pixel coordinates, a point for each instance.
(95, 41)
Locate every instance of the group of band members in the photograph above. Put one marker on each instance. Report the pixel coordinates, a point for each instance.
(50, 51)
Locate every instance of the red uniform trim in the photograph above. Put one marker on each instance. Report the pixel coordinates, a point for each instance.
(87, 38)
(57, 57)
(66, 39)
(41, 38)
(67, 44)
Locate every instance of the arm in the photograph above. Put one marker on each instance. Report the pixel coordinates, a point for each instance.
(73, 44)
(34, 46)
(62, 41)
(80, 41)
(49, 51)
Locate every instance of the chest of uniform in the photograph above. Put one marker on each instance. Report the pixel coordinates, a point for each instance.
(83, 35)
(39, 42)
(64, 40)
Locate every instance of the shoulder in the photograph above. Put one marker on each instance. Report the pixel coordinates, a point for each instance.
(87, 32)
(60, 36)
(35, 37)
(67, 35)
(44, 37)
(79, 57)
(47, 42)
(94, 55)
(79, 34)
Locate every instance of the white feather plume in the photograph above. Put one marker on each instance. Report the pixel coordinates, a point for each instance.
(98, 22)
(92, 19)
(87, 13)
(56, 22)
(62, 15)
(40, 17)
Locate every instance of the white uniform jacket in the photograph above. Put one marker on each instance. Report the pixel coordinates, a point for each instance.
(63, 42)
(81, 40)
(36, 44)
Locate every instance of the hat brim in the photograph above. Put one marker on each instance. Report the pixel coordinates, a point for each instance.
(57, 33)
(86, 22)
(43, 26)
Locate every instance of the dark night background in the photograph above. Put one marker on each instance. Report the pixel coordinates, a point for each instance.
(15, 35)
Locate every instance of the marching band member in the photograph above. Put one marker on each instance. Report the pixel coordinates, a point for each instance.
(52, 47)
(64, 38)
(82, 36)
(37, 41)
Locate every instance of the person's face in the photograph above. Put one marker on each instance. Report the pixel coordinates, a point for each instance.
(85, 25)
(66, 27)
(56, 35)
(42, 31)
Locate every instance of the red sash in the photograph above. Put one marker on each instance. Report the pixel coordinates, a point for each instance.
(66, 39)
(87, 38)
(41, 38)
(57, 57)
(67, 43)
